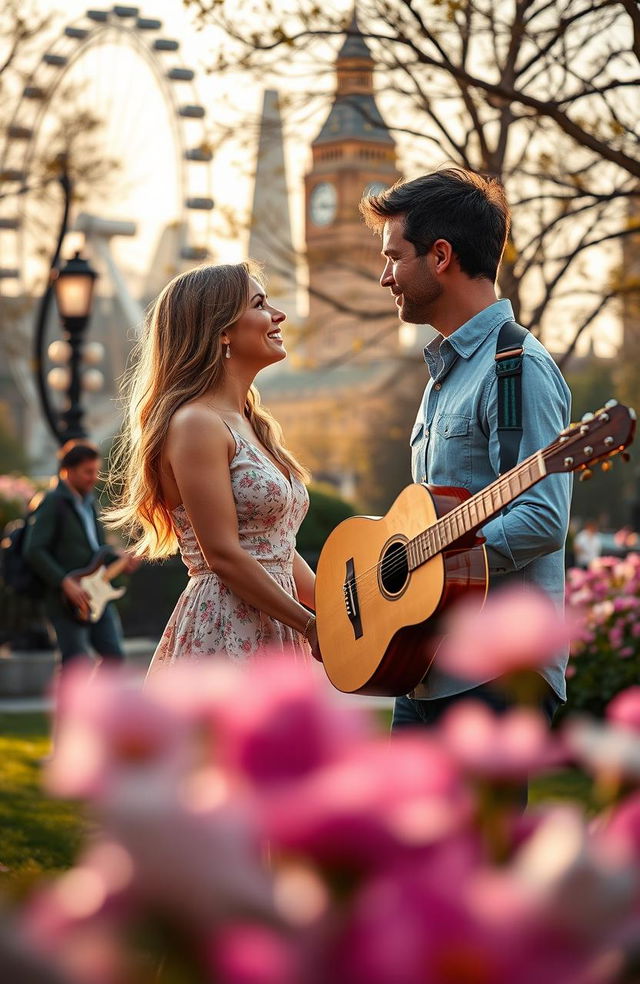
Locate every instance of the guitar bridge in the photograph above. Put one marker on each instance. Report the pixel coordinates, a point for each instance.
(351, 603)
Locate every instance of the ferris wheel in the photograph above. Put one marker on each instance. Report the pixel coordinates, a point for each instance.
(111, 97)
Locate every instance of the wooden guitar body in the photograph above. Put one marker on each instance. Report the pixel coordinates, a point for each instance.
(373, 611)
(383, 582)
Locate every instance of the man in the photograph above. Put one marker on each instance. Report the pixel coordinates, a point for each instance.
(443, 236)
(64, 535)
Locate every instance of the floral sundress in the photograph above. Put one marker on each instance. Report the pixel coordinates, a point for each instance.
(209, 619)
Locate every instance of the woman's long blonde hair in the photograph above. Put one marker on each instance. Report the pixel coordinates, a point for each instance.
(178, 357)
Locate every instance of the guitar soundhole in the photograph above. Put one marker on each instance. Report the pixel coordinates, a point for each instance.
(394, 569)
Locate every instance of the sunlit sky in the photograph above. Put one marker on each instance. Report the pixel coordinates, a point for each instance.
(148, 189)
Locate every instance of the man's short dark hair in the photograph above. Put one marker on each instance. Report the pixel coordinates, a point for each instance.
(77, 455)
(468, 210)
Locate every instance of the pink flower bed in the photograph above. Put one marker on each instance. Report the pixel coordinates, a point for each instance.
(249, 827)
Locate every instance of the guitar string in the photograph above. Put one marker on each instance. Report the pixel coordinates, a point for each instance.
(444, 523)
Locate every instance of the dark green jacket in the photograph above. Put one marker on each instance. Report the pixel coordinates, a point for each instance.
(56, 543)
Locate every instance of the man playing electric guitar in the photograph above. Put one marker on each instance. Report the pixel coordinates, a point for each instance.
(443, 236)
(64, 534)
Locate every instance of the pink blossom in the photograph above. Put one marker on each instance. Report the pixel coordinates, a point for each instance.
(424, 924)
(285, 722)
(578, 882)
(347, 814)
(624, 709)
(515, 630)
(248, 953)
(509, 746)
(622, 827)
(108, 726)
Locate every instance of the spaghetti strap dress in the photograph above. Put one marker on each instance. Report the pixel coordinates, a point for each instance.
(211, 621)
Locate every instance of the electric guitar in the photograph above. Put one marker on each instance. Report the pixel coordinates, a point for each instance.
(96, 579)
(383, 582)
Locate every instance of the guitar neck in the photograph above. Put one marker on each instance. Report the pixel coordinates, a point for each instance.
(476, 511)
(114, 568)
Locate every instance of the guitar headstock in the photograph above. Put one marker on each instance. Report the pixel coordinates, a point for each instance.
(598, 437)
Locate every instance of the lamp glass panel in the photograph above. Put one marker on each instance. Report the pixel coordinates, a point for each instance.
(73, 294)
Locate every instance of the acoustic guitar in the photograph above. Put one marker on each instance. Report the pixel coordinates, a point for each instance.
(382, 583)
(96, 580)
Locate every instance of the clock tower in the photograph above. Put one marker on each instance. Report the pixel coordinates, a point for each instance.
(354, 154)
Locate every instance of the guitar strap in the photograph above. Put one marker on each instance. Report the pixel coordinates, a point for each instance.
(509, 352)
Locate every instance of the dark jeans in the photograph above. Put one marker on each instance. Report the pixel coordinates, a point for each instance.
(104, 636)
(408, 712)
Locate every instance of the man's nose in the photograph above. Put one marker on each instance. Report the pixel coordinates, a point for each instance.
(386, 278)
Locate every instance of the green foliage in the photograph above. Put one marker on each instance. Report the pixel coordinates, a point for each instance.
(12, 454)
(326, 510)
(598, 675)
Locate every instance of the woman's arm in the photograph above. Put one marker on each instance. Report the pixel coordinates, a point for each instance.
(198, 452)
(305, 581)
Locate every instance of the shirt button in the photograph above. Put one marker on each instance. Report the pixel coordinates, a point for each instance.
(437, 386)
(426, 432)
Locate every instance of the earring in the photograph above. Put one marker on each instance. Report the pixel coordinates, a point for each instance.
(227, 354)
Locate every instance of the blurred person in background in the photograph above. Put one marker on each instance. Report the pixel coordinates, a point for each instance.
(64, 535)
(587, 543)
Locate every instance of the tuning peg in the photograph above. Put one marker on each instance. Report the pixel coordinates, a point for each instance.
(610, 403)
(586, 417)
(586, 474)
(607, 465)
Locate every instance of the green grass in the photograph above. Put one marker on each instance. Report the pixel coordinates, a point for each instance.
(36, 833)
(562, 785)
(39, 834)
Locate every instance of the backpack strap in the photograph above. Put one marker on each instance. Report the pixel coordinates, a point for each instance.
(509, 352)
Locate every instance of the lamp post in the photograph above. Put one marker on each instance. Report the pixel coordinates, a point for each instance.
(74, 295)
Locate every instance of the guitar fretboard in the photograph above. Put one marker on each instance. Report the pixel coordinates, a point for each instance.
(474, 512)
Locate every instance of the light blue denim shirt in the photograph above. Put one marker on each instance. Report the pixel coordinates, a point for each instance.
(454, 442)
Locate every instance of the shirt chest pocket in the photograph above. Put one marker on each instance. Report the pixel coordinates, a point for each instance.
(453, 454)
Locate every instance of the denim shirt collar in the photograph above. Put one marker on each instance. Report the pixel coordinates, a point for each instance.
(441, 353)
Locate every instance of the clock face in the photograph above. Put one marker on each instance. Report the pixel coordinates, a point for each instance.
(323, 203)
(375, 188)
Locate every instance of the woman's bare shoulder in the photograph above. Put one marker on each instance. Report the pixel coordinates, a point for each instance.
(195, 421)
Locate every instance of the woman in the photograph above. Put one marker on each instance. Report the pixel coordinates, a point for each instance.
(202, 466)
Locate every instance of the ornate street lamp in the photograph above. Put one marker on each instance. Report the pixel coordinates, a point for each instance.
(73, 289)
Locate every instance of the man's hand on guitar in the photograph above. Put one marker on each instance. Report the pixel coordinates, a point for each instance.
(133, 563)
(77, 596)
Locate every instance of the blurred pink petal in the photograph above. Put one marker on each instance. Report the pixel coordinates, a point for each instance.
(107, 724)
(516, 630)
(253, 954)
(507, 746)
(284, 723)
(382, 801)
(624, 709)
(578, 881)
(622, 826)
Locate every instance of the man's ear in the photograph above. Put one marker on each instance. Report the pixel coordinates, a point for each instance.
(442, 255)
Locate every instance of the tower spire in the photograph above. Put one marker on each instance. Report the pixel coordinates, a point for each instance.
(270, 237)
